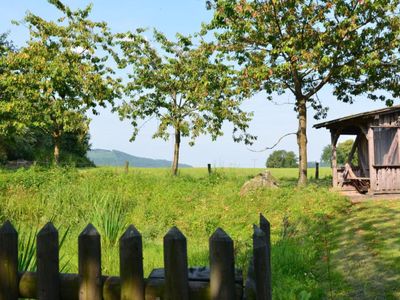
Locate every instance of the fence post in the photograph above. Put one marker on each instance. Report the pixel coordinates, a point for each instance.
(89, 260)
(222, 266)
(48, 281)
(260, 263)
(8, 262)
(131, 265)
(126, 167)
(209, 169)
(317, 170)
(175, 265)
(265, 226)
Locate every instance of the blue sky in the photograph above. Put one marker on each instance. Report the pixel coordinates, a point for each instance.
(270, 121)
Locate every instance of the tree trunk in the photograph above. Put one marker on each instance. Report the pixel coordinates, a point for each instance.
(56, 138)
(176, 152)
(302, 140)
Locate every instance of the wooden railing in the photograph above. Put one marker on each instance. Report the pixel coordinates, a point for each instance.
(221, 280)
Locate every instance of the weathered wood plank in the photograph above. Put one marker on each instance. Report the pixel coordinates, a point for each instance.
(265, 226)
(89, 260)
(260, 264)
(47, 253)
(175, 265)
(198, 290)
(131, 265)
(222, 266)
(9, 262)
(390, 157)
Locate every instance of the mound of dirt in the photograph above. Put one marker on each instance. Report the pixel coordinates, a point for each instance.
(262, 180)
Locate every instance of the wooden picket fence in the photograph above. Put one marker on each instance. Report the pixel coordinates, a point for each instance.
(174, 282)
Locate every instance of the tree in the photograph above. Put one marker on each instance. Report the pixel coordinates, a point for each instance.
(181, 85)
(342, 153)
(282, 159)
(11, 122)
(301, 46)
(61, 72)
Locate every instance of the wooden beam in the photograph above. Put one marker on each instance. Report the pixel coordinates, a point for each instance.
(111, 287)
(371, 156)
(364, 130)
(386, 126)
(362, 155)
(334, 139)
(398, 144)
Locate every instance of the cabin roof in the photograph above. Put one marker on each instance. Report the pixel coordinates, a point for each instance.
(358, 118)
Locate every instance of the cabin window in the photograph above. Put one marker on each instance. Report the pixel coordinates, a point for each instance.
(386, 144)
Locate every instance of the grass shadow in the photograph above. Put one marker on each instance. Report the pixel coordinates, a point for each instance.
(365, 249)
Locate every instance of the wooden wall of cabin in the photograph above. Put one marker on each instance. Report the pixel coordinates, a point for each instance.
(386, 158)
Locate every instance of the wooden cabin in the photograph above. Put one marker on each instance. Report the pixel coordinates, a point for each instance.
(377, 145)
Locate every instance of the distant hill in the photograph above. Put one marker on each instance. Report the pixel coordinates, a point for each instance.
(102, 157)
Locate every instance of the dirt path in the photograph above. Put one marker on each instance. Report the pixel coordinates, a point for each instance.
(365, 250)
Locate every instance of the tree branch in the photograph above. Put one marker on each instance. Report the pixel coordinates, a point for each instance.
(276, 144)
(321, 84)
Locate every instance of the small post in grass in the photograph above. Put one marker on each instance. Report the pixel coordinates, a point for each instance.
(89, 261)
(317, 170)
(48, 280)
(126, 167)
(209, 169)
(176, 265)
(9, 262)
(222, 266)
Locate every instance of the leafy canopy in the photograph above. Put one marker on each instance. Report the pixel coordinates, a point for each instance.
(301, 45)
(61, 72)
(11, 122)
(182, 85)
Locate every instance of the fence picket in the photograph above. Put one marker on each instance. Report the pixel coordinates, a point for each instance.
(260, 263)
(131, 265)
(265, 226)
(222, 266)
(173, 283)
(175, 265)
(89, 257)
(47, 253)
(9, 262)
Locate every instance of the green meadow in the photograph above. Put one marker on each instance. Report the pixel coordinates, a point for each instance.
(320, 242)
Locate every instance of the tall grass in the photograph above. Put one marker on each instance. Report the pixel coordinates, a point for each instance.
(27, 250)
(109, 217)
(154, 201)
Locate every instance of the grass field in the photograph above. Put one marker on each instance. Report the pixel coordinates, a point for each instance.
(318, 252)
